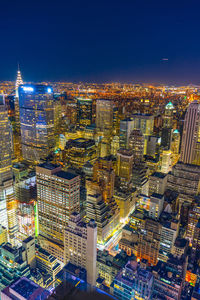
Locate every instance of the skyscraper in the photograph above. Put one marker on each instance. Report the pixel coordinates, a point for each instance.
(6, 176)
(17, 131)
(190, 147)
(104, 115)
(37, 121)
(58, 195)
(84, 111)
(80, 245)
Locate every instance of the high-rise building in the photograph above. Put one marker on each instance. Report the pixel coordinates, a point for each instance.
(80, 244)
(156, 205)
(157, 183)
(190, 146)
(126, 127)
(36, 106)
(6, 175)
(17, 131)
(84, 111)
(144, 122)
(104, 175)
(184, 179)
(136, 144)
(168, 116)
(104, 116)
(58, 195)
(106, 220)
(125, 164)
(149, 241)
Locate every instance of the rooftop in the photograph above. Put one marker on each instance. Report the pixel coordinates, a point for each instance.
(159, 175)
(66, 175)
(48, 166)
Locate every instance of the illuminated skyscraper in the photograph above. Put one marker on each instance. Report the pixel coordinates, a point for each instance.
(104, 115)
(36, 106)
(167, 126)
(84, 111)
(17, 132)
(58, 195)
(126, 126)
(136, 144)
(144, 122)
(125, 164)
(6, 176)
(190, 147)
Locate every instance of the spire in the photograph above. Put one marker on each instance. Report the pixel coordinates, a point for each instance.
(19, 81)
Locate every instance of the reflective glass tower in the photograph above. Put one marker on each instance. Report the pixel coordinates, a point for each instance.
(36, 106)
(7, 200)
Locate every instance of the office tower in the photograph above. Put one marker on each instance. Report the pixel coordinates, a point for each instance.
(184, 179)
(6, 176)
(125, 201)
(156, 206)
(190, 146)
(144, 122)
(157, 183)
(25, 289)
(153, 145)
(106, 220)
(80, 244)
(104, 116)
(166, 161)
(36, 106)
(125, 164)
(167, 126)
(136, 144)
(126, 127)
(139, 177)
(133, 282)
(169, 232)
(58, 195)
(104, 125)
(11, 206)
(168, 116)
(104, 175)
(58, 120)
(115, 145)
(84, 111)
(149, 241)
(79, 151)
(26, 196)
(175, 146)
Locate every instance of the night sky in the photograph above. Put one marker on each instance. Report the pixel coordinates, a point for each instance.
(101, 41)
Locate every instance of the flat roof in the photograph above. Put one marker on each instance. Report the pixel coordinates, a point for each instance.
(159, 175)
(48, 166)
(66, 175)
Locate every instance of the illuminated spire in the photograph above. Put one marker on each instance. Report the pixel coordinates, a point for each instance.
(19, 81)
